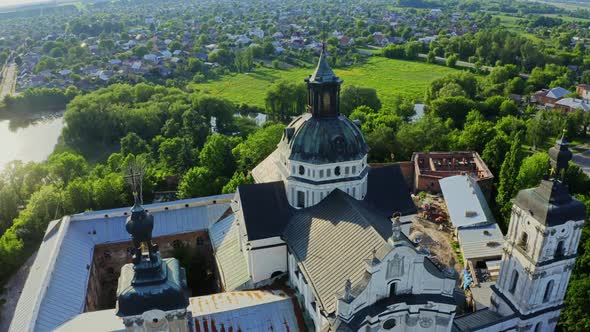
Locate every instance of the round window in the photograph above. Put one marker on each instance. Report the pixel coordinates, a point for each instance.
(301, 170)
(389, 324)
(337, 171)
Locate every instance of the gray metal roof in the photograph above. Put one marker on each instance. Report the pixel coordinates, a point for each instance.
(551, 203)
(465, 201)
(248, 311)
(478, 319)
(231, 263)
(323, 72)
(95, 321)
(331, 242)
(574, 103)
(557, 92)
(55, 289)
(481, 241)
(320, 140)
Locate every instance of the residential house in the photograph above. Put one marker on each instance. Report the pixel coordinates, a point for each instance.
(572, 104)
(584, 91)
(550, 97)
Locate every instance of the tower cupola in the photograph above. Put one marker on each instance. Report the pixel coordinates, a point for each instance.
(152, 292)
(324, 89)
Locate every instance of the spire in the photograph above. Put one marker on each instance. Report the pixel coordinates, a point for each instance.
(323, 72)
(560, 157)
(323, 89)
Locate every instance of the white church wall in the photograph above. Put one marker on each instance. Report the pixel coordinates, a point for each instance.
(297, 280)
(524, 251)
(315, 192)
(266, 257)
(404, 268)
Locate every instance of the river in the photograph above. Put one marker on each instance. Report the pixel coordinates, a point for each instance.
(29, 139)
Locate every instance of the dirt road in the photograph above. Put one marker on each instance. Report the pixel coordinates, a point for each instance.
(8, 81)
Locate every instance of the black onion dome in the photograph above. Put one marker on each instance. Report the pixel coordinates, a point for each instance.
(318, 140)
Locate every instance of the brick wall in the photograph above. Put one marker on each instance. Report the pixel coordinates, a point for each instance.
(109, 258)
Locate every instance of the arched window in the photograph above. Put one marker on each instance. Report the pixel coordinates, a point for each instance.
(337, 171)
(301, 170)
(538, 327)
(523, 242)
(513, 282)
(559, 250)
(548, 291)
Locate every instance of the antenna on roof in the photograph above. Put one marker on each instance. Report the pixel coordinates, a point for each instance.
(134, 176)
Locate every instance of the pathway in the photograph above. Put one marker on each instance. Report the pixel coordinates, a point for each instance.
(582, 158)
(7, 87)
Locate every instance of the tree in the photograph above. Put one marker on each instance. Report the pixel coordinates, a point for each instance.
(353, 96)
(66, 166)
(217, 156)
(140, 51)
(197, 182)
(133, 144)
(455, 108)
(177, 154)
(575, 315)
(222, 109)
(508, 107)
(429, 133)
(258, 146)
(467, 81)
(508, 174)
(285, 99)
(452, 61)
(476, 133)
(531, 171)
(238, 179)
(78, 196)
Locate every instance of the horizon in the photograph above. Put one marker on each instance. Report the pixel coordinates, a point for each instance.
(19, 3)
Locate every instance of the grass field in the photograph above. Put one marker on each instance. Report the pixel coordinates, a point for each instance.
(569, 5)
(389, 77)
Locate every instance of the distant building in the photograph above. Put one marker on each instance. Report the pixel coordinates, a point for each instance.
(584, 91)
(550, 97)
(430, 167)
(572, 104)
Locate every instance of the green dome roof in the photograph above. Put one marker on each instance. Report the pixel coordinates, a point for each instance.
(319, 140)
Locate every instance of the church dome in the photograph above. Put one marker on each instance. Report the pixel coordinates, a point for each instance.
(324, 140)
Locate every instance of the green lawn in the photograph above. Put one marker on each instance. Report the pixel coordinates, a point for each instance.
(389, 77)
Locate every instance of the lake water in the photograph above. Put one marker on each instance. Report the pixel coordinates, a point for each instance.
(29, 139)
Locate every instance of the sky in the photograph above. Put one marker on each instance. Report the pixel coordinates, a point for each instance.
(11, 3)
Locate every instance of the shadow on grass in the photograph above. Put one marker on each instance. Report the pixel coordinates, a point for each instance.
(264, 76)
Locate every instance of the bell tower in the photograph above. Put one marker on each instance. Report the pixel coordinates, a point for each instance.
(540, 248)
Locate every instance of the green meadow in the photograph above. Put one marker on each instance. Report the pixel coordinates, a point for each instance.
(389, 77)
